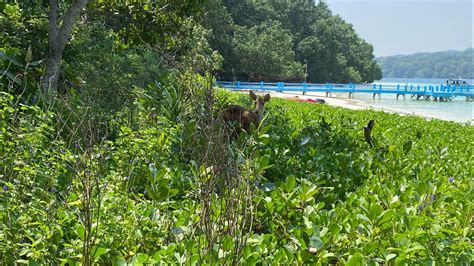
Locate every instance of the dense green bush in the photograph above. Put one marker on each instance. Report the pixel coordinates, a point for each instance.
(104, 74)
(404, 200)
(128, 163)
(320, 193)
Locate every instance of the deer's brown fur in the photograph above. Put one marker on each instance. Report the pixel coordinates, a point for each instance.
(240, 118)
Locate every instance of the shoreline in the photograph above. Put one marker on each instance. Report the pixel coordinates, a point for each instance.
(352, 104)
(341, 100)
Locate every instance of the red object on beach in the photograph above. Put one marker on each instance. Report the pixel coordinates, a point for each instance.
(309, 100)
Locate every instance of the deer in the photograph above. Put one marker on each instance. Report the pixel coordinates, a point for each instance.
(240, 117)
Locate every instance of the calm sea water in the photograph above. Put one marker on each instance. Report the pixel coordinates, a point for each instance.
(458, 110)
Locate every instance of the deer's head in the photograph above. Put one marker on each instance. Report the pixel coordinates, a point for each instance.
(259, 103)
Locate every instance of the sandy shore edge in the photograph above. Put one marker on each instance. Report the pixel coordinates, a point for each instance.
(339, 101)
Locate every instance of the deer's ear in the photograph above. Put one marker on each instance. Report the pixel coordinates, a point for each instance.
(266, 98)
(253, 96)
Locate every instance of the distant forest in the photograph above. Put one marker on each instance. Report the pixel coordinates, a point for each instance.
(281, 40)
(448, 64)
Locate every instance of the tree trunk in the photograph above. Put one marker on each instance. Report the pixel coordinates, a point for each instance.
(59, 31)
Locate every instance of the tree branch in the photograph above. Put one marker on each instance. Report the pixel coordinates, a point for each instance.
(58, 35)
(68, 21)
(53, 22)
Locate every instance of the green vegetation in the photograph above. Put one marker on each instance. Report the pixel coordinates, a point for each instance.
(274, 40)
(449, 64)
(119, 157)
(318, 193)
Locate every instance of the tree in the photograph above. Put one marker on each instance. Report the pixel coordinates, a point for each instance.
(59, 30)
(218, 21)
(265, 52)
(149, 22)
(307, 32)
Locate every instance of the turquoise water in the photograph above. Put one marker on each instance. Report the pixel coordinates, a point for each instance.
(458, 110)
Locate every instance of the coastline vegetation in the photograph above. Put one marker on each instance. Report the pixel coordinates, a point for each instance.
(446, 64)
(124, 159)
(317, 192)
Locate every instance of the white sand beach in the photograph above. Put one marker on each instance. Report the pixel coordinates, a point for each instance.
(335, 100)
(342, 100)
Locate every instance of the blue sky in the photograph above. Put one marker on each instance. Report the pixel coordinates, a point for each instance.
(409, 26)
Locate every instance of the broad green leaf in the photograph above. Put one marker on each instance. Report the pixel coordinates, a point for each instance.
(363, 217)
(334, 229)
(35, 63)
(421, 188)
(309, 192)
(394, 201)
(29, 55)
(390, 256)
(290, 182)
(120, 261)
(400, 260)
(194, 259)
(386, 216)
(14, 78)
(142, 258)
(416, 247)
(355, 260)
(172, 192)
(264, 160)
(80, 231)
(319, 206)
(329, 255)
(97, 252)
(9, 55)
(374, 211)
